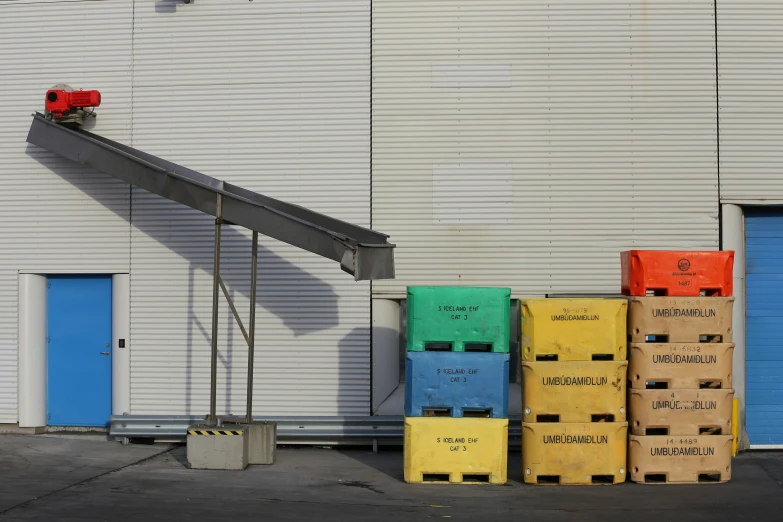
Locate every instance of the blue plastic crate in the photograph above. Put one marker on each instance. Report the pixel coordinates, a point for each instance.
(454, 384)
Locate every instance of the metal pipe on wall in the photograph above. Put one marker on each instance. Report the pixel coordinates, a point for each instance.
(32, 351)
(734, 239)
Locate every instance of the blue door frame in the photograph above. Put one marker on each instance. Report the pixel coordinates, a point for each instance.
(79, 350)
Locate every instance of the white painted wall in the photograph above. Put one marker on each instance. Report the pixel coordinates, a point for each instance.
(57, 217)
(750, 57)
(525, 144)
(273, 96)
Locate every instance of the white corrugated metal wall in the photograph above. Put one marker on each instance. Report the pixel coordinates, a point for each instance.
(750, 55)
(273, 96)
(55, 216)
(527, 143)
(590, 127)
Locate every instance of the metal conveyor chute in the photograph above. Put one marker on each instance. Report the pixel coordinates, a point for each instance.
(361, 252)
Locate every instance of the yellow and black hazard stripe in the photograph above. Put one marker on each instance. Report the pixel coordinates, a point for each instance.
(215, 432)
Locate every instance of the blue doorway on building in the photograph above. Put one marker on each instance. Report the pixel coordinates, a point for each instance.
(79, 350)
(763, 322)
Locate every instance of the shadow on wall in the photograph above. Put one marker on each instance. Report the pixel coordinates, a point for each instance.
(353, 374)
(233, 244)
(170, 6)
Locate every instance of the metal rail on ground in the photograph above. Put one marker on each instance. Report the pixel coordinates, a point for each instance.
(290, 430)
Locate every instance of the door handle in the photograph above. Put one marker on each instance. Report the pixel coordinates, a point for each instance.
(104, 353)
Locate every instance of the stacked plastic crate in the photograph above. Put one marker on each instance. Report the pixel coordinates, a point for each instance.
(680, 360)
(574, 428)
(456, 385)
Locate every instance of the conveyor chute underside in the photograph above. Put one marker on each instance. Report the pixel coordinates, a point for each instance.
(364, 253)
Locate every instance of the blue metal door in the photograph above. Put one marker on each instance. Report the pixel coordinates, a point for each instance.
(79, 330)
(764, 325)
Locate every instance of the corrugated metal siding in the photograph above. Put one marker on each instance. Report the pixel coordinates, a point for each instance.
(750, 55)
(56, 217)
(527, 143)
(273, 96)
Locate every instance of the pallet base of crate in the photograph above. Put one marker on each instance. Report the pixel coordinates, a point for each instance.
(462, 451)
(680, 412)
(574, 391)
(456, 477)
(574, 453)
(680, 365)
(664, 459)
(680, 319)
(574, 329)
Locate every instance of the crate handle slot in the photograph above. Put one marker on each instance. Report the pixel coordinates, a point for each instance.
(484, 414)
(655, 478)
(436, 412)
(438, 347)
(435, 477)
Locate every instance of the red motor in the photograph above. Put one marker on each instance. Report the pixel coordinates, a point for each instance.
(61, 101)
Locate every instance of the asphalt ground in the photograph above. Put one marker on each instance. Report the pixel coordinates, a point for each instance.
(88, 479)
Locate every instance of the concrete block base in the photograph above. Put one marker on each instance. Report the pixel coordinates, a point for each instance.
(262, 442)
(211, 447)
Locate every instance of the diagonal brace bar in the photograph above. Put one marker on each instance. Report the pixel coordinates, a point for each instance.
(233, 309)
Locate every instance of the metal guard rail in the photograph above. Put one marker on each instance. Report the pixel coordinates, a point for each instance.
(289, 429)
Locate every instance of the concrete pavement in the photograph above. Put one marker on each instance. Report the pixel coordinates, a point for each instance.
(71, 480)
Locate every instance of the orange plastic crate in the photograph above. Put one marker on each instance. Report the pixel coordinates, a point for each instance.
(677, 273)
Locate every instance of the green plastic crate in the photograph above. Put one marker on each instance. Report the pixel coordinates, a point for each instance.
(458, 319)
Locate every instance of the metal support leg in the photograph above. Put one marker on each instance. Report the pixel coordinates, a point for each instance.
(215, 302)
(251, 337)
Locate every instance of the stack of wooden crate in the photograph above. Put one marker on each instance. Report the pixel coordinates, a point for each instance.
(680, 365)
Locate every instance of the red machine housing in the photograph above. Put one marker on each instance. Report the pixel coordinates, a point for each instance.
(59, 101)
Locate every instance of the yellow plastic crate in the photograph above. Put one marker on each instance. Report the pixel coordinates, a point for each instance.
(574, 391)
(573, 329)
(574, 453)
(455, 450)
